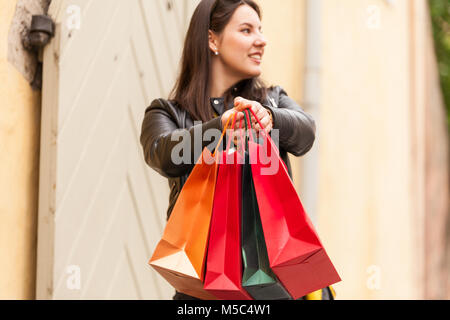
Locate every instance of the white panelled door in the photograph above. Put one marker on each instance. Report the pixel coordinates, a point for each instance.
(102, 210)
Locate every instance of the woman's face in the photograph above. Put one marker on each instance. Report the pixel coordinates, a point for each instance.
(241, 44)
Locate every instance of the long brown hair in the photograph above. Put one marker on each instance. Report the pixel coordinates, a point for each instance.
(192, 88)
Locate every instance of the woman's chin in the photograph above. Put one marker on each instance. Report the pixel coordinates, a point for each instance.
(254, 72)
(250, 73)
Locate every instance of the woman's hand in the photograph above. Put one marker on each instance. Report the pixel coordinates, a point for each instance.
(241, 105)
(261, 113)
(230, 113)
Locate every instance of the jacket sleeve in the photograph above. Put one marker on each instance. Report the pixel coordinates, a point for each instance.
(160, 134)
(297, 129)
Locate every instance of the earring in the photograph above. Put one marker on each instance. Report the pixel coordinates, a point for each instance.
(217, 53)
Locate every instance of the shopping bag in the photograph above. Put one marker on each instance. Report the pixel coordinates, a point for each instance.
(223, 277)
(327, 293)
(258, 279)
(296, 254)
(179, 256)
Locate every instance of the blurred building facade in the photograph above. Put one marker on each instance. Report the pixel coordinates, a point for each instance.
(81, 212)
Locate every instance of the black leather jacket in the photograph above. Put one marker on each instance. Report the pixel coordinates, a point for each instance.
(163, 118)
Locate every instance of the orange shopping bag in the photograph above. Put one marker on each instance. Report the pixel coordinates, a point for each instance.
(180, 255)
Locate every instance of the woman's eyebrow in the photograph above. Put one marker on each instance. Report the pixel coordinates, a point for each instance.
(249, 24)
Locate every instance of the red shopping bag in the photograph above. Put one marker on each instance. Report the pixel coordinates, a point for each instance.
(223, 276)
(296, 254)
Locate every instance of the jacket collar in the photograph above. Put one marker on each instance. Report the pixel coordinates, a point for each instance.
(218, 105)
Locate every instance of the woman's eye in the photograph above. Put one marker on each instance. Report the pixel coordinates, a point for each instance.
(246, 30)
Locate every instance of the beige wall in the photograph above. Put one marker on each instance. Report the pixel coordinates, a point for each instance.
(284, 60)
(379, 105)
(363, 206)
(284, 28)
(375, 85)
(19, 154)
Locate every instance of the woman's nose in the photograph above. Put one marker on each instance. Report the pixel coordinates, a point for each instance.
(261, 41)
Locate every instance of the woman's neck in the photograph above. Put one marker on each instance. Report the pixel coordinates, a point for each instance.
(221, 79)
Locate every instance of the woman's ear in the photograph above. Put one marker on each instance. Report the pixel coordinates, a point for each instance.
(213, 41)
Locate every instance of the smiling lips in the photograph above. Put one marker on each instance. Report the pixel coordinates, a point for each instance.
(256, 57)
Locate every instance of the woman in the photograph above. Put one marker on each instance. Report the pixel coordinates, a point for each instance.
(221, 65)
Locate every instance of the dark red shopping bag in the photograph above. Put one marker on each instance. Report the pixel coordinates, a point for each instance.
(223, 276)
(296, 254)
